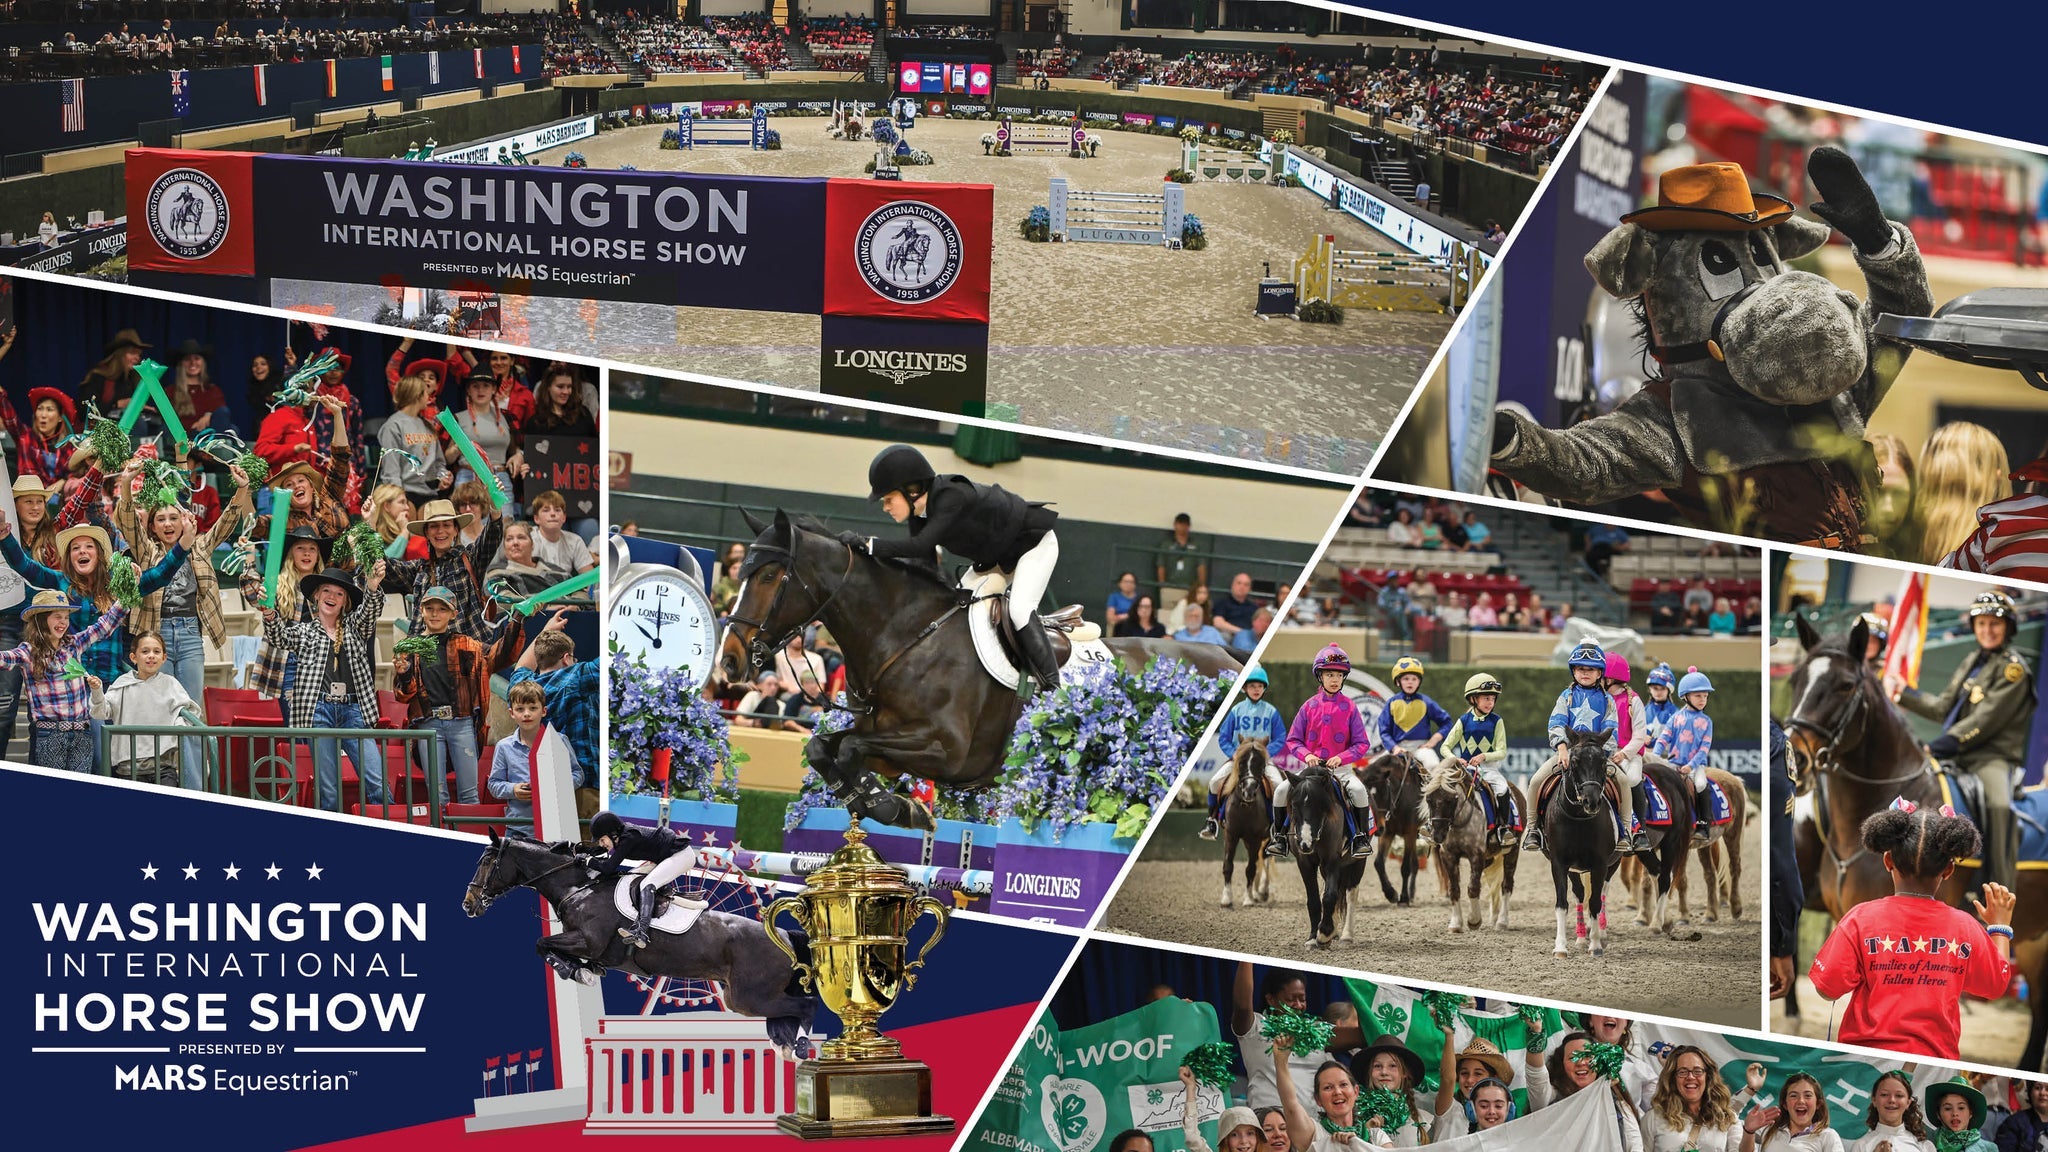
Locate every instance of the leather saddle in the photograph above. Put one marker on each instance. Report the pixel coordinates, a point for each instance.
(1058, 628)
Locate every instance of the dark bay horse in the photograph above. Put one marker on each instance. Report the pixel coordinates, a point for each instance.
(752, 974)
(922, 703)
(1669, 847)
(1246, 821)
(1850, 748)
(1578, 836)
(1395, 781)
(1457, 827)
(1315, 805)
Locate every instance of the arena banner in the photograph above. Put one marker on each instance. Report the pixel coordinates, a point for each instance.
(925, 364)
(924, 258)
(191, 211)
(1071, 1091)
(531, 142)
(565, 464)
(1391, 1010)
(89, 250)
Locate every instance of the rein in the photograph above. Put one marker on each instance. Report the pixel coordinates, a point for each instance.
(858, 700)
(486, 897)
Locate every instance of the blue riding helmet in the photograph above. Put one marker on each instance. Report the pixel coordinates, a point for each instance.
(1256, 675)
(1695, 681)
(1662, 674)
(1589, 655)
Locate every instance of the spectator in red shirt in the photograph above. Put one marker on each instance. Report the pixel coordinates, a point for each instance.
(1906, 961)
(201, 403)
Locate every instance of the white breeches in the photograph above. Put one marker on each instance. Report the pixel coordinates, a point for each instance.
(1029, 580)
(1699, 779)
(1427, 757)
(1629, 771)
(666, 871)
(1355, 793)
(1274, 776)
(1494, 777)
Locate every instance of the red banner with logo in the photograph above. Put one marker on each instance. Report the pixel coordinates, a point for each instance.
(191, 212)
(913, 250)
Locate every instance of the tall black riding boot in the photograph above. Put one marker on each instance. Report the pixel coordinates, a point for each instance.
(1044, 666)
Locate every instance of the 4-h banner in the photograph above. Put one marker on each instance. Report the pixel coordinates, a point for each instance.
(1583, 1122)
(1391, 1010)
(1845, 1080)
(1072, 1091)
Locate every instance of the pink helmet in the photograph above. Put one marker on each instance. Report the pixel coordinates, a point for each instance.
(1617, 667)
(1332, 659)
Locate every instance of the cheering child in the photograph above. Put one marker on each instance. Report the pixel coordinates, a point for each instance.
(59, 700)
(1894, 1119)
(1237, 1130)
(447, 690)
(149, 698)
(1798, 1124)
(512, 761)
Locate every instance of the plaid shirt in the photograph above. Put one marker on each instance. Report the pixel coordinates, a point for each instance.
(329, 515)
(46, 461)
(572, 710)
(148, 549)
(266, 676)
(106, 657)
(51, 698)
(469, 665)
(309, 641)
(460, 569)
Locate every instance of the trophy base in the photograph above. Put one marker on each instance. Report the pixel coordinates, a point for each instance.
(840, 1099)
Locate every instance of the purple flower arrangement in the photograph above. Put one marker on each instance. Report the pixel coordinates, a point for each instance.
(1106, 746)
(664, 708)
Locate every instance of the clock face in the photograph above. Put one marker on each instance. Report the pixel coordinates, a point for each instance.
(664, 618)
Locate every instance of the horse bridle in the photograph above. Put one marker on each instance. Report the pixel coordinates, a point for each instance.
(1830, 737)
(1470, 776)
(761, 651)
(485, 898)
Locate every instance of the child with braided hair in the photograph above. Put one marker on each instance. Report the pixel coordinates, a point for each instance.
(1906, 960)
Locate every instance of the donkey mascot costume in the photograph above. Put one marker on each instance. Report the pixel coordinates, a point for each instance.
(1767, 375)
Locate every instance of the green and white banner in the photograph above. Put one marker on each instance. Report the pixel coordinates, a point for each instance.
(1072, 1091)
(1583, 1122)
(1391, 1010)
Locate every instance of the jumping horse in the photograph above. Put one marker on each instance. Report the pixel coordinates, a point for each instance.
(922, 703)
(753, 975)
(1395, 781)
(1246, 821)
(1329, 875)
(1457, 827)
(1850, 748)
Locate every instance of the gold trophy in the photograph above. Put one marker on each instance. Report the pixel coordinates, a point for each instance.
(858, 910)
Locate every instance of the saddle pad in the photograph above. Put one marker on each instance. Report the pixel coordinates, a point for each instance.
(678, 918)
(1722, 812)
(1084, 649)
(2030, 812)
(1613, 802)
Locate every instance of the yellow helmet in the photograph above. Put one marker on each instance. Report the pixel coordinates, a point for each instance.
(1405, 665)
(1480, 684)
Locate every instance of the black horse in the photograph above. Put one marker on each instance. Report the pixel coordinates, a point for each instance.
(1395, 781)
(1669, 847)
(1246, 821)
(1578, 836)
(922, 702)
(1315, 807)
(753, 975)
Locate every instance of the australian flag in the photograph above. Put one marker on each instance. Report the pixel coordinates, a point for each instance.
(181, 92)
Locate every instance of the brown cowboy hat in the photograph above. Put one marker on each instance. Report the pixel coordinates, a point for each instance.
(48, 600)
(1483, 1051)
(126, 338)
(1361, 1061)
(1711, 198)
(295, 468)
(438, 510)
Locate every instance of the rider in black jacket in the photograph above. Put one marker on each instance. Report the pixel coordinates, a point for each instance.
(981, 523)
(668, 850)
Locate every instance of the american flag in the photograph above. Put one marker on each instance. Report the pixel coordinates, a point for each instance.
(73, 94)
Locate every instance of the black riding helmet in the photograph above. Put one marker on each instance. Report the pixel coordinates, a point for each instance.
(606, 824)
(1998, 605)
(899, 468)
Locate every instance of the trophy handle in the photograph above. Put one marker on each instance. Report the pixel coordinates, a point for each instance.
(795, 907)
(918, 908)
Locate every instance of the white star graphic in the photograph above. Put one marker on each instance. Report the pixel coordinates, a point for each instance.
(711, 838)
(149, 871)
(234, 873)
(271, 873)
(191, 871)
(1584, 716)
(313, 873)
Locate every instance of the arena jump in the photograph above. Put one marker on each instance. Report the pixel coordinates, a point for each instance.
(1070, 138)
(1225, 165)
(693, 131)
(1386, 281)
(1118, 217)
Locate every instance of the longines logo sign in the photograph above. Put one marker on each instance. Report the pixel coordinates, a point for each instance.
(899, 366)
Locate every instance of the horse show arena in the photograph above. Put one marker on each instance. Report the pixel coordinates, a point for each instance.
(1712, 980)
(1128, 341)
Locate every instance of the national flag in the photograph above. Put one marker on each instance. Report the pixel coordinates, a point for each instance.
(181, 92)
(515, 58)
(479, 62)
(262, 91)
(386, 62)
(433, 67)
(333, 80)
(1908, 629)
(72, 93)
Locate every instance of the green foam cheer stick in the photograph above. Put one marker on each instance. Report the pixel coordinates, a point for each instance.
(475, 458)
(569, 587)
(273, 558)
(152, 374)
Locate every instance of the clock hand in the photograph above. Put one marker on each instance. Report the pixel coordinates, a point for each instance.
(646, 633)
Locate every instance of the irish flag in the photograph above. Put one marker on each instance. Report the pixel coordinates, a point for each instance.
(1909, 629)
(386, 61)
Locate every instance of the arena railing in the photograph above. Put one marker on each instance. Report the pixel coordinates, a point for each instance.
(263, 763)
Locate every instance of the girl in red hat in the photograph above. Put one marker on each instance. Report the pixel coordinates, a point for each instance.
(53, 417)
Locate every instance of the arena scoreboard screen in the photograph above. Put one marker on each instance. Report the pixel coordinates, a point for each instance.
(945, 78)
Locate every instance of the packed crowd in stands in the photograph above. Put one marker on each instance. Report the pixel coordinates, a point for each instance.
(1053, 62)
(571, 51)
(943, 32)
(150, 604)
(840, 42)
(1476, 105)
(135, 46)
(89, 10)
(666, 44)
(1228, 71)
(755, 39)
(1123, 65)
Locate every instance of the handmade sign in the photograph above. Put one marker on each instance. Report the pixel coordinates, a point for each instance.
(565, 464)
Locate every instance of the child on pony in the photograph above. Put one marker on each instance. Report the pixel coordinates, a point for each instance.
(1478, 740)
(1252, 717)
(1327, 731)
(1687, 742)
(1584, 706)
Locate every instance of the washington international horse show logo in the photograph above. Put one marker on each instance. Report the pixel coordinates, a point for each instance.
(908, 251)
(187, 214)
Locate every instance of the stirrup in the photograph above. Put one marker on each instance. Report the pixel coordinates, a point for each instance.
(1211, 828)
(1360, 847)
(1532, 840)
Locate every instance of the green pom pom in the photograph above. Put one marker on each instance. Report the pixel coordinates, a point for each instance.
(1386, 1104)
(1211, 1064)
(1537, 1023)
(1607, 1059)
(123, 581)
(361, 544)
(73, 670)
(109, 443)
(256, 466)
(417, 646)
(1310, 1033)
(1443, 1007)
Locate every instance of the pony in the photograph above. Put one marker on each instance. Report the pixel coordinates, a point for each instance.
(1720, 854)
(1315, 805)
(1395, 781)
(1457, 826)
(754, 977)
(1246, 820)
(1669, 847)
(1579, 837)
